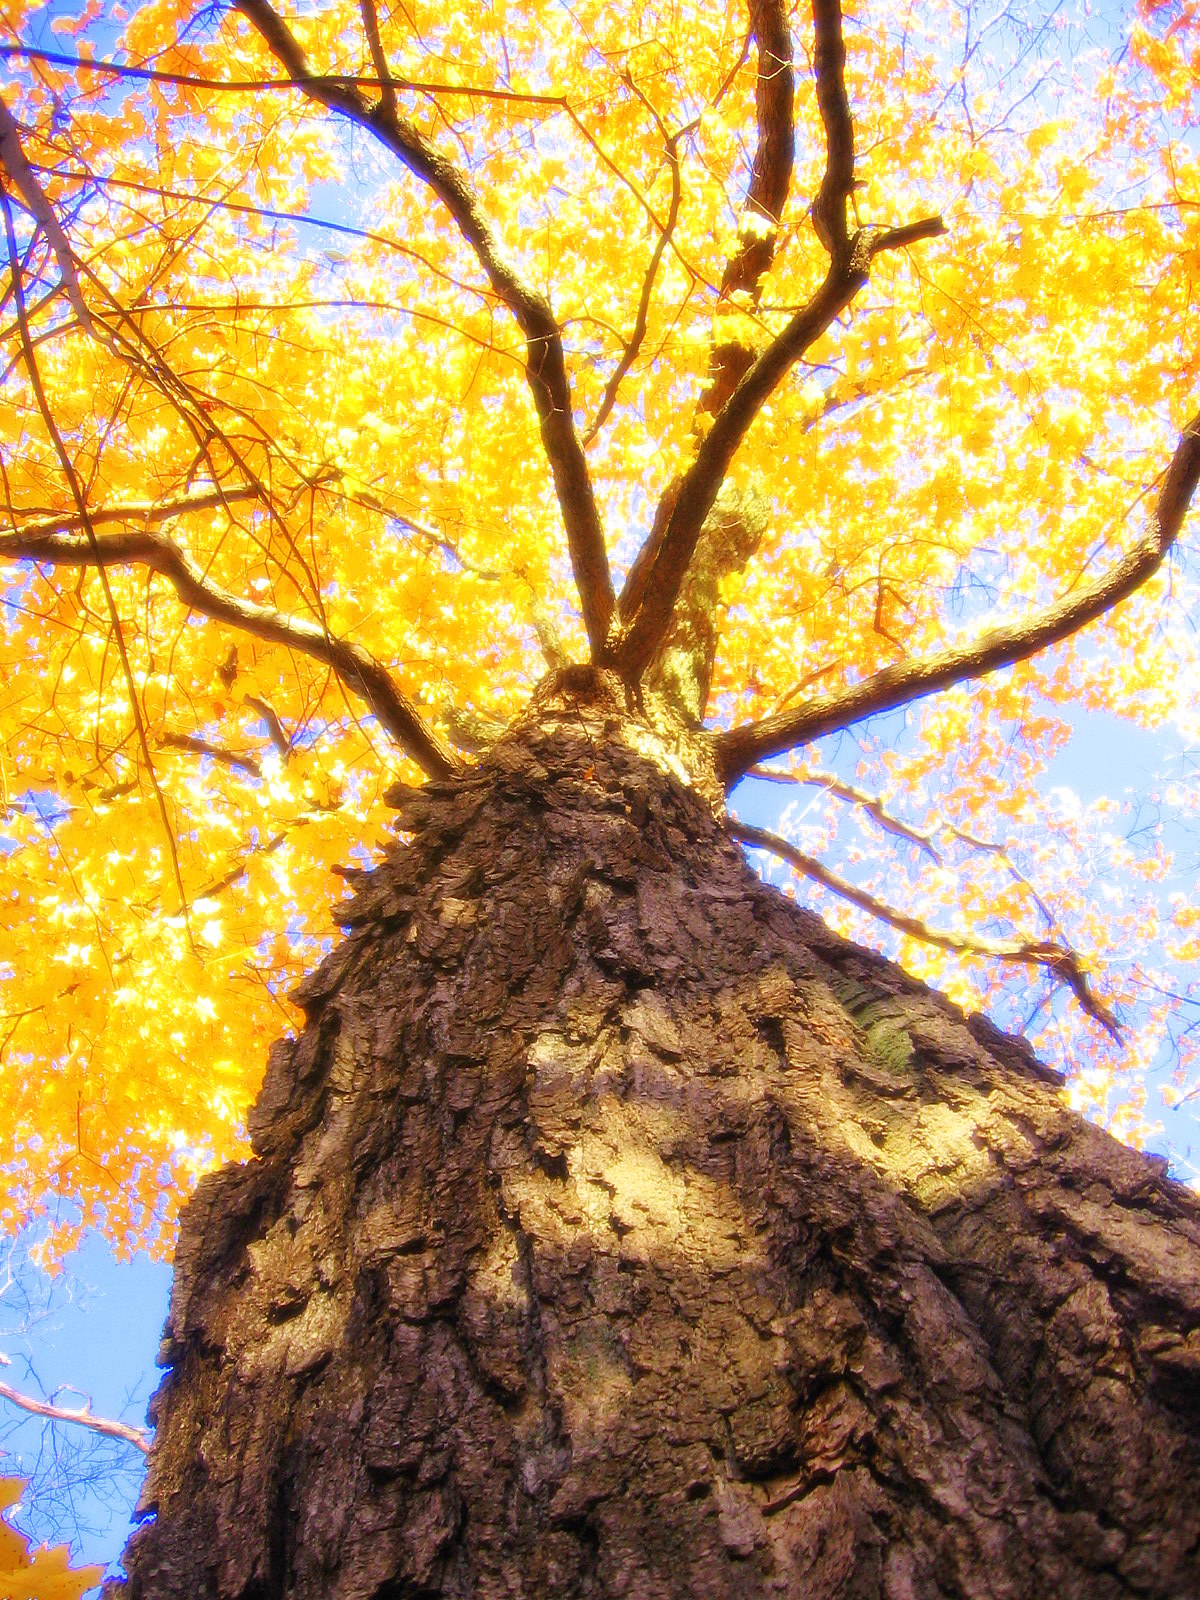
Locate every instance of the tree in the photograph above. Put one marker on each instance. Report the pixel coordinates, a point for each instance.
(615, 1227)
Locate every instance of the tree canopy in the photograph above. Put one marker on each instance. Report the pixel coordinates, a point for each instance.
(363, 362)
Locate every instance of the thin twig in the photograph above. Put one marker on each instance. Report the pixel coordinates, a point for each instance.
(1058, 959)
(634, 343)
(90, 538)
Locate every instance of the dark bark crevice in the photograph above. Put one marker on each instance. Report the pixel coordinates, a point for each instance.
(618, 1230)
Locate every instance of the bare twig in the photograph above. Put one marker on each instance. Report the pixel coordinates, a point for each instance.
(887, 821)
(738, 749)
(275, 728)
(239, 761)
(143, 511)
(1059, 960)
(334, 80)
(634, 343)
(866, 802)
(82, 1417)
(89, 539)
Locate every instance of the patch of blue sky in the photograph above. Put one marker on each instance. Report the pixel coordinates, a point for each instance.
(86, 1334)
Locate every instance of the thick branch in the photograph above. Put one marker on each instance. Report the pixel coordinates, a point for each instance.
(740, 748)
(545, 363)
(1058, 959)
(699, 485)
(662, 577)
(771, 175)
(358, 669)
(387, 90)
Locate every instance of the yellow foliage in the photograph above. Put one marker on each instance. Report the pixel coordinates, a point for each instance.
(286, 312)
(43, 1574)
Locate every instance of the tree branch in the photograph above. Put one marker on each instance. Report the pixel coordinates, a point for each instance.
(771, 174)
(738, 749)
(387, 90)
(12, 159)
(545, 362)
(868, 803)
(239, 761)
(89, 538)
(660, 570)
(888, 822)
(358, 669)
(189, 80)
(829, 69)
(608, 400)
(137, 1437)
(1058, 959)
(698, 488)
(145, 511)
(275, 729)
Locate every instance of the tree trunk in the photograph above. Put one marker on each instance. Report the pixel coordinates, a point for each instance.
(619, 1230)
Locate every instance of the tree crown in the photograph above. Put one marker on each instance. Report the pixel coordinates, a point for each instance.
(364, 364)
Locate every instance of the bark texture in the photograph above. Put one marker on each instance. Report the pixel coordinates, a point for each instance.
(616, 1230)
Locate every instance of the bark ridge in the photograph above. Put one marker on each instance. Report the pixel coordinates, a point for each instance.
(617, 1230)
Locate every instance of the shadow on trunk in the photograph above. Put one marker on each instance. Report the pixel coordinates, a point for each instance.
(618, 1230)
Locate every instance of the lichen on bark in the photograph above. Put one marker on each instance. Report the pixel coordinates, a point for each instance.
(617, 1230)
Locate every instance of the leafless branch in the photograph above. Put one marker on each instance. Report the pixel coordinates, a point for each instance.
(829, 69)
(144, 511)
(870, 804)
(387, 90)
(358, 669)
(275, 728)
(738, 749)
(545, 364)
(81, 1417)
(882, 239)
(697, 489)
(1059, 960)
(926, 839)
(335, 80)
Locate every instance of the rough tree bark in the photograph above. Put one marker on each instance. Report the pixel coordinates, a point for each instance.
(616, 1229)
